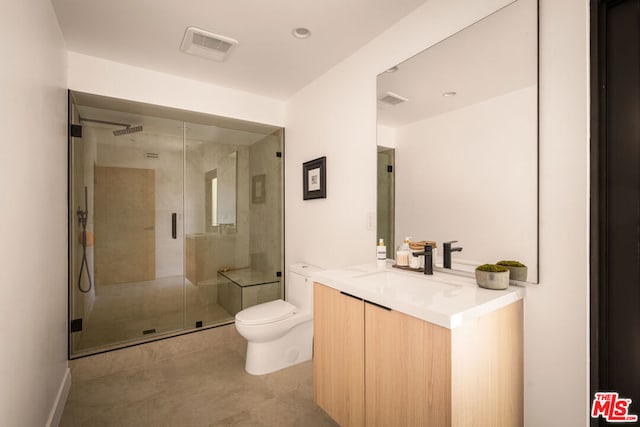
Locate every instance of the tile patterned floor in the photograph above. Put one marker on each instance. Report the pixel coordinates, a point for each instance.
(191, 380)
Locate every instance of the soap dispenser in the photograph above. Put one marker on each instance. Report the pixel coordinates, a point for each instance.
(381, 253)
(403, 254)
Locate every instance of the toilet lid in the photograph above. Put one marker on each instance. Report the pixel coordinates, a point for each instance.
(266, 313)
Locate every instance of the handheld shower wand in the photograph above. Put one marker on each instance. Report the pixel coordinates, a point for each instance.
(82, 219)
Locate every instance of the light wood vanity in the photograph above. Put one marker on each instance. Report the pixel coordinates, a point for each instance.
(375, 366)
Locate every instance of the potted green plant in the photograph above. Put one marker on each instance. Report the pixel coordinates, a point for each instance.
(517, 270)
(492, 276)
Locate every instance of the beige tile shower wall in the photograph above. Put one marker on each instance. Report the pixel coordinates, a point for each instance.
(194, 188)
(227, 178)
(266, 217)
(243, 223)
(90, 157)
(129, 151)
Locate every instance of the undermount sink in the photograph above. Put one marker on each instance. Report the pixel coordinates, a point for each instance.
(413, 289)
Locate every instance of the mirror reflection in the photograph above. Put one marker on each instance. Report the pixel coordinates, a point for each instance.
(221, 193)
(461, 119)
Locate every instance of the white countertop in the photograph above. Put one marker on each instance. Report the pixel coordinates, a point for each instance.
(442, 298)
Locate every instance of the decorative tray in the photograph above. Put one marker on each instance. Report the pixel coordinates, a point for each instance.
(401, 267)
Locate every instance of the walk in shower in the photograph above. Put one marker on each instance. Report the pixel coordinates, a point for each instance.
(175, 221)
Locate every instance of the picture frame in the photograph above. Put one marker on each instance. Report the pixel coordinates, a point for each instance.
(314, 179)
(258, 188)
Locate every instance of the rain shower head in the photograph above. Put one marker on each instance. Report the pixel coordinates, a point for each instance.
(127, 127)
(127, 130)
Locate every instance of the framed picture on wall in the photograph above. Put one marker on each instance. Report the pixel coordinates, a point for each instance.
(314, 179)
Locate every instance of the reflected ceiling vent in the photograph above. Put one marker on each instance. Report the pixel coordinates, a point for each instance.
(202, 43)
(393, 98)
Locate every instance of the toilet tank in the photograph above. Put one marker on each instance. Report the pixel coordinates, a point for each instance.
(299, 286)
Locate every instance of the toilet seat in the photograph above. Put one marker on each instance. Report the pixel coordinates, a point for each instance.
(269, 312)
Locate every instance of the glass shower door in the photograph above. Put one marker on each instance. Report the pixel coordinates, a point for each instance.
(213, 237)
(126, 242)
(175, 221)
(233, 221)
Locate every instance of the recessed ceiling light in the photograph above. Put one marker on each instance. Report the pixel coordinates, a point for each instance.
(392, 69)
(449, 94)
(301, 33)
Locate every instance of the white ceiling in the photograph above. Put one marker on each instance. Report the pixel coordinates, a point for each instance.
(495, 56)
(268, 59)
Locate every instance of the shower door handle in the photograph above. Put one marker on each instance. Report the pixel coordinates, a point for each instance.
(174, 225)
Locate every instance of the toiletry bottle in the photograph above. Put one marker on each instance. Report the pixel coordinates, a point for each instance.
(403, 254)
(381, 253)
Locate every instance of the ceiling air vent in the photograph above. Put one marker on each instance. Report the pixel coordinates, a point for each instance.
(392, 98)
(207, 45)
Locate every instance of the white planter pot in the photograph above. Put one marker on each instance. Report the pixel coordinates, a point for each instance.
(518, 273)
(490, 280)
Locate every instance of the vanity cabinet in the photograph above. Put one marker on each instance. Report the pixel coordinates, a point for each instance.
(407, 365)
(338, 347)
(379, 367)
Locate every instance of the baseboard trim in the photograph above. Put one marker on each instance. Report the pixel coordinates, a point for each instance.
(61, 399)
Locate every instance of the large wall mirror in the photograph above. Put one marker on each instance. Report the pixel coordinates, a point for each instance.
(461, 119)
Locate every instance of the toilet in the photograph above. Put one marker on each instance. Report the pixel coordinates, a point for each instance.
(280, 332)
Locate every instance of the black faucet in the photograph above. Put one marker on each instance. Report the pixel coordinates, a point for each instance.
(446, 259)
(428, 258)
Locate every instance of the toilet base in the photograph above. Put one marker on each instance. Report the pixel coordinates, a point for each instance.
(296, 346)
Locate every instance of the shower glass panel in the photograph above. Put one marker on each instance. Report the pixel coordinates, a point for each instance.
(233, 220)
(162, 204)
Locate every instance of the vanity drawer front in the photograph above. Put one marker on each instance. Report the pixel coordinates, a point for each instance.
(407, 370)
(338, 366)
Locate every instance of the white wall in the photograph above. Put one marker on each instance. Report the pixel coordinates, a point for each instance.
(336, 116)
(557, 311)
(386, 136)
(102, 77)
(33, 213)
(471, 175)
